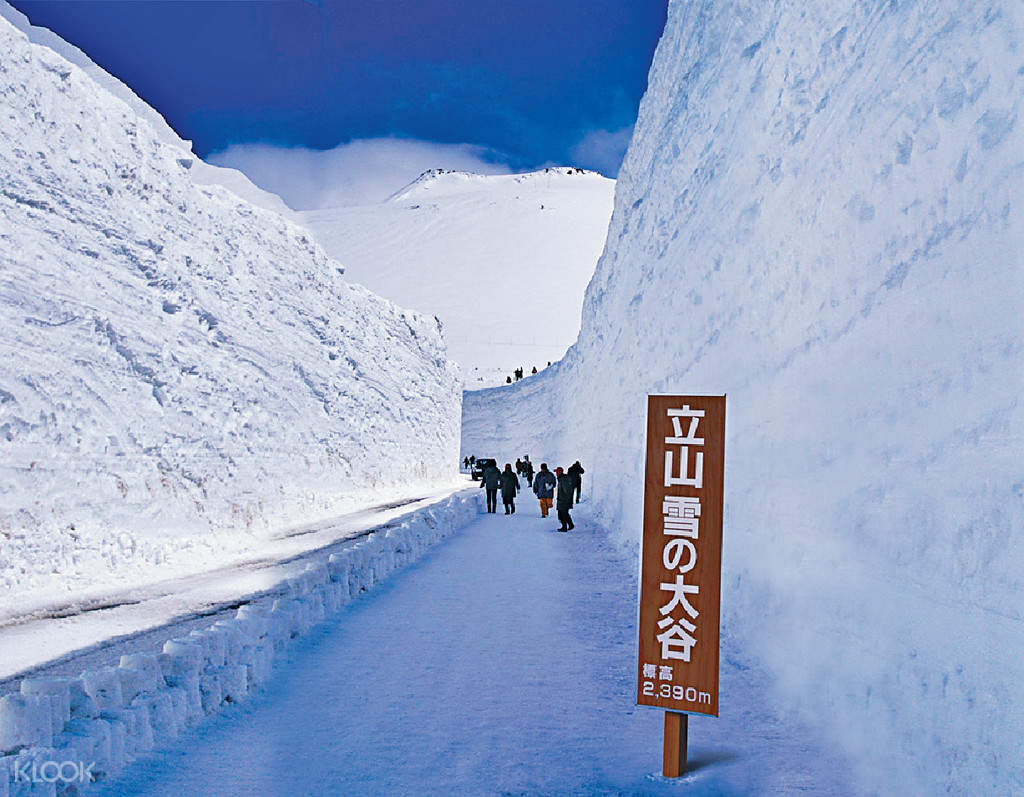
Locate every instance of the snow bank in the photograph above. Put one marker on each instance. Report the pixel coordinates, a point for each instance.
(180, 369)
(103, 718)
(822, 215)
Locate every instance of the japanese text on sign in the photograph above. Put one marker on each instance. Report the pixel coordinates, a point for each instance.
(681, 561)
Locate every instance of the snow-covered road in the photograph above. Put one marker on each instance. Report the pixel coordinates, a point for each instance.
(501, 662)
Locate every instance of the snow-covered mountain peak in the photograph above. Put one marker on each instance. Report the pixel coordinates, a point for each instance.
(443, 182)
(502, 260)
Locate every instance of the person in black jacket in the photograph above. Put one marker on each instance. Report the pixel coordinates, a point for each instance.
(576, 471)
(490, 478)
(528, 472)
(509, 488)
(563, 499)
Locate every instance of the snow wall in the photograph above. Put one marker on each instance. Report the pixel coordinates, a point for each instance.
(821, 214)
(174, 360)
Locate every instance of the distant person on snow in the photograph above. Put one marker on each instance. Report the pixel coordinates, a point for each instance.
(472, 460)
(508, 380)
(491, 479)
(544, 488)
(534, 370)
(563, 499)
(576, 471)
(465, 463)
(528, 472)
(509, 488)
(519, 467)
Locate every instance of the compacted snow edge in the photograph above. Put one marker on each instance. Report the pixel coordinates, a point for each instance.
(66, 733)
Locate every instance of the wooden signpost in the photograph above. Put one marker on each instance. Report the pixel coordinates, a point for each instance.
(681, 564)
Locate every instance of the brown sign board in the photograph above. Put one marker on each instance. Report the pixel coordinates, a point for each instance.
(681, 555)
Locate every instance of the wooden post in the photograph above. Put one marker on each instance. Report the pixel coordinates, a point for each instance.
(674, 763)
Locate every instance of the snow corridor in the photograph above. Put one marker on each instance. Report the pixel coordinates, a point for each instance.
(501, 662)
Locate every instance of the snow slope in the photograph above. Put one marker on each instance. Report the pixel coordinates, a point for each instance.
(179, 370)
(202, 173)
(502, 260)
(821, 214)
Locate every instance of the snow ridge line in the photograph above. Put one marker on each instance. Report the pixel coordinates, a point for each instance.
(79, 731)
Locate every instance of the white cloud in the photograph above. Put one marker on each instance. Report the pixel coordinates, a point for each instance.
(602, 150)
(361, 172)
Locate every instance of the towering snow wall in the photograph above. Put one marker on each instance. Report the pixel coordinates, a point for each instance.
(822, 215)
(174, 360)
(202, 173)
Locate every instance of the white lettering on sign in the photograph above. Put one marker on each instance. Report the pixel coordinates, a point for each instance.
(681, 476)
(681, 519)
(677, 692)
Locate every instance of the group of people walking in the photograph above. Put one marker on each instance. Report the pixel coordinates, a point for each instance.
(518, 373)
(561, 488)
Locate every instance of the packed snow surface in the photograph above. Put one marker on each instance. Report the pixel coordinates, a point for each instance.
(821, 215)
(502, 662)
(501, 260)
(180, 371)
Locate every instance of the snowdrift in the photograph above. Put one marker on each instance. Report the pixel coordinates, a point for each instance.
(178, 368)
(821, 215)
(502, 260)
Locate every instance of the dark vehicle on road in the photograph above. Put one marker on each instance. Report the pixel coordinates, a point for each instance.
(478, 467)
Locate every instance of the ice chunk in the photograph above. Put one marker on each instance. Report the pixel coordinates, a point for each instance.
(104, 687)
(58, 690)
(25, 721)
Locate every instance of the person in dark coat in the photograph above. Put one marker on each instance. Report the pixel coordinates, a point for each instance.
(491, 479)
(544, 488)
(528, 472)
(465, 463)
(563, 499)
(519, 467)
(576, 471)
(509, 488)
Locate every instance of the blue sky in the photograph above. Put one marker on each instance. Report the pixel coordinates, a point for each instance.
(525, 83)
